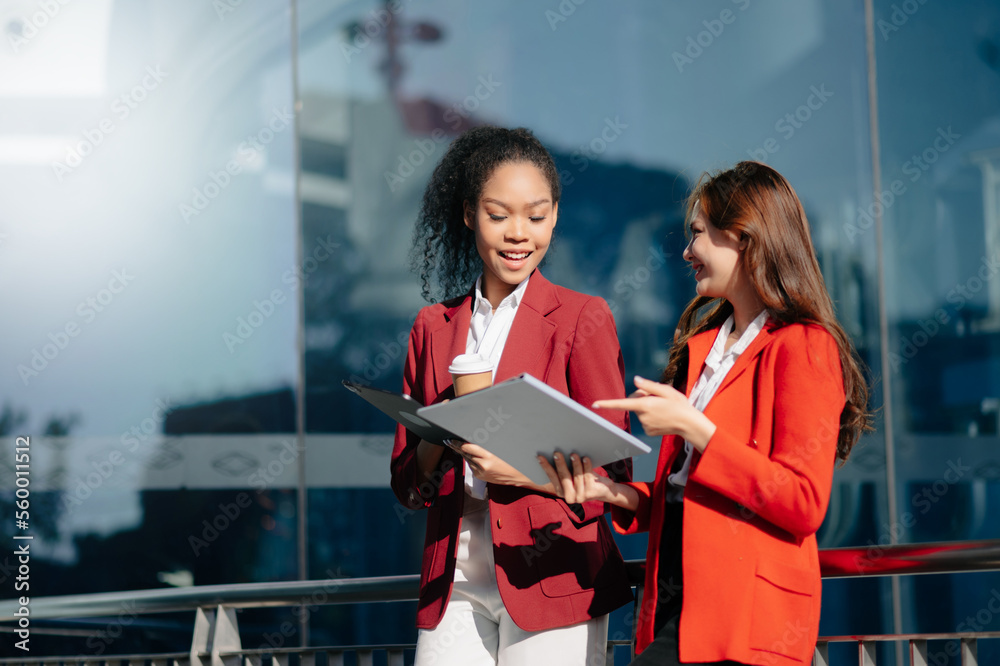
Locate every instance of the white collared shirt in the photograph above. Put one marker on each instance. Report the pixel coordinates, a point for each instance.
(488, 333)
(717, 365)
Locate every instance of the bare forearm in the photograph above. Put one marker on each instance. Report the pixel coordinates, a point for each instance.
(698, 430)
(623, 496)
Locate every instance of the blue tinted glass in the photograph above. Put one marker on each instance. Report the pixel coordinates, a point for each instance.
(146, 165)
(938, 103)
(635, 102)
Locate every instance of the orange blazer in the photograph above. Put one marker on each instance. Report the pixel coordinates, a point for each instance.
(556, 564)
(753, 502)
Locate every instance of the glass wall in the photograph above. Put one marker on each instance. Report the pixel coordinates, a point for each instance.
(208, 221)
(939, 126)
(148, 234)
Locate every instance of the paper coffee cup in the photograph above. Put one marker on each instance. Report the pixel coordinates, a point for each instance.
(471, 372)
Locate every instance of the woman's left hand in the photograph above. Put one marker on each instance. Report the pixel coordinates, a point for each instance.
(663, 410)
(491, 469)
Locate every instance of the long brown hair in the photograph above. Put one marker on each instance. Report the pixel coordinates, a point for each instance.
(756, 203)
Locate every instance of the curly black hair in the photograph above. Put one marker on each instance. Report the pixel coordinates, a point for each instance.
(444, 249)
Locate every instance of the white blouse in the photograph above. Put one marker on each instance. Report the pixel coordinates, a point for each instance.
(717, 366)
(488, 333)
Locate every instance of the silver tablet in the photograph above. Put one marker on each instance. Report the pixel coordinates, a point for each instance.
(523, 417)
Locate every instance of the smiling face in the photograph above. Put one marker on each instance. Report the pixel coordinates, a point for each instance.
(714, 255)
(513, 222)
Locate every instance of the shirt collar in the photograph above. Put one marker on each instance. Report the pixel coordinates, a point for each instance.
(718, 352)
(480, 304)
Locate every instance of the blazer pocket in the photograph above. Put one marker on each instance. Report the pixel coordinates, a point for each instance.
(565, 554)
(785, 614)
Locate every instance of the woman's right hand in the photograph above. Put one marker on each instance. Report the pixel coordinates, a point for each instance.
(583, 485)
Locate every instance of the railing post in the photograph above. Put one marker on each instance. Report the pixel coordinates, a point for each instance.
(636, 610)
(201, 640)
(821, 657)
(918, 653)
(866, 653)
(970, 652)
(215, 631)
(226, 637)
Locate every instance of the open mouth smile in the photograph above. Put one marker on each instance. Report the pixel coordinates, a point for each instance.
(514, 260)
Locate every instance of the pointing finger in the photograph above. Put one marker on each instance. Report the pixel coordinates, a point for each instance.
(624, 404)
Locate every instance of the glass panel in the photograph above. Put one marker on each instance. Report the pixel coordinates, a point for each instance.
(634, 102)
(940, 142)
(146, 165)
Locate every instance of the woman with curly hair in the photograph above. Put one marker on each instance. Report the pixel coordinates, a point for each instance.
(762, 393)
(510, 574)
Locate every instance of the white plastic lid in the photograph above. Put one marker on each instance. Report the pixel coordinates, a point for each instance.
(470, 364)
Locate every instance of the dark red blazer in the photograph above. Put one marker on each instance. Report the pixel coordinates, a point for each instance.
(752, 504)
(556, 564)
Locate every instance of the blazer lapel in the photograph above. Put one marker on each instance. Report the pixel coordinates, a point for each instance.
(449, 340)
(531, 331)
(748, 355)
(698, 348)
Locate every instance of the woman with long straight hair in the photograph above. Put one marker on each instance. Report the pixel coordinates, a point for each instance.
(762, 394)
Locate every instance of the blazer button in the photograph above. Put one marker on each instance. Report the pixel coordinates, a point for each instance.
(500, 523)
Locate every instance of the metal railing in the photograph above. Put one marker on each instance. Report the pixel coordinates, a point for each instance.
(216, 639)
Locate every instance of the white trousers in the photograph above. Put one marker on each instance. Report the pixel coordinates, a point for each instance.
(476, 629)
